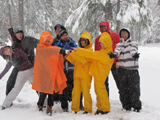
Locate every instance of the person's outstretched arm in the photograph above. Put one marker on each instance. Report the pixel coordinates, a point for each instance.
(6, 69)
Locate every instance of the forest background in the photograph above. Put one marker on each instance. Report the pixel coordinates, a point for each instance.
(35, 16)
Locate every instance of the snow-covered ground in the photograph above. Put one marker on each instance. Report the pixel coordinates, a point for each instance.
(25, 107)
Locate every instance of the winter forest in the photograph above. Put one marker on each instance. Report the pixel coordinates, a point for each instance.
(141, 16)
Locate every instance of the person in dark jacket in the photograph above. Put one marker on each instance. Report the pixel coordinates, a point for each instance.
(104, 27)
(25, 71)
(27, 43)
(66, 43)
(129, 80)
(58, 28)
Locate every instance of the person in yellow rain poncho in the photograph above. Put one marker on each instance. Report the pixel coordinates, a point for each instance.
(82, 80)
(100, 68)
(48, 71)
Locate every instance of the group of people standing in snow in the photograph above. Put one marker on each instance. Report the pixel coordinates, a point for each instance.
(63, 70)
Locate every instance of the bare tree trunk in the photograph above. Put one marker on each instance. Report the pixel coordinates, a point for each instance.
(21, 18)
(51, 11)
(10, 16)
(132, 33)
(118, 21)
(108, 10)
(139, 32)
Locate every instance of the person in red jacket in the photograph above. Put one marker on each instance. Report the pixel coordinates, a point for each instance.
(104, 27)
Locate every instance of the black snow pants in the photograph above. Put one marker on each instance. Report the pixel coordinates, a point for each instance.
(67, 92)
(115, 76)
(42, 97)
(11, 80)
(129, 88)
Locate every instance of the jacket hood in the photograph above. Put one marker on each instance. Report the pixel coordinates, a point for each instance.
(55, 27)
(18, 29)
(86, 35)
(105, 23)
(45, 35)
(106, 39)
(125, 29)
(2, 52)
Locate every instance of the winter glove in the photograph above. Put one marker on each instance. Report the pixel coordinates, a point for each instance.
(136, 56)
(111, 55)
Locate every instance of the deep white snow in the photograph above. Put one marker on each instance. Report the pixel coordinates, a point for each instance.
(25, 108)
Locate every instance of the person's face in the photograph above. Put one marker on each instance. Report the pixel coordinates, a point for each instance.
(64, 36)
(103, 28)
(102, 45)
(124, 35)
(48, 41)
(58, 29)
(7, 51)
(83, 43)
(19, 36)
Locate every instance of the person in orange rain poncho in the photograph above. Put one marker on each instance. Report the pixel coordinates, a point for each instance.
(100, 68)
(82, 81)
(48, 70)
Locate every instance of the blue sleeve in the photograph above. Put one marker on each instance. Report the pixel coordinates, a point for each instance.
(56, 43)
(73, 44)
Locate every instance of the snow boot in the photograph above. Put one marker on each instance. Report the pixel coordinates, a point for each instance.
(40, 108)
(49, 110)
(103, 113)
(97, 112)
(85, 112)
(3, 108)
(136, 110)
(65, 110)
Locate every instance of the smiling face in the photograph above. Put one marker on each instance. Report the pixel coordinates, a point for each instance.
(64, 36)
(7, 51)
(124, 35)
(83, 42)
(48, 41)
(103, 28)
(19, 35)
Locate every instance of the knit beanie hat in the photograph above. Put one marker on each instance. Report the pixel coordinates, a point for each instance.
(62, 32)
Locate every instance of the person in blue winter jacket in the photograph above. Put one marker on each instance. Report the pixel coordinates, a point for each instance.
(66, 43)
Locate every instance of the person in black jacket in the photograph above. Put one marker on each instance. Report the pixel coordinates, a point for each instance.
(58, 28)
(27, 43)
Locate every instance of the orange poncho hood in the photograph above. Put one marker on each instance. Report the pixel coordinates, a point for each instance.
(48, 67)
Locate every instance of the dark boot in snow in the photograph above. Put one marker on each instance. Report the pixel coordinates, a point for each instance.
(85, 112)
(3, 108)
(65, 110)
(97, 112)
(49, 110)
(136, 109)
(128, 109)
(103, 113)
(40, 108)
